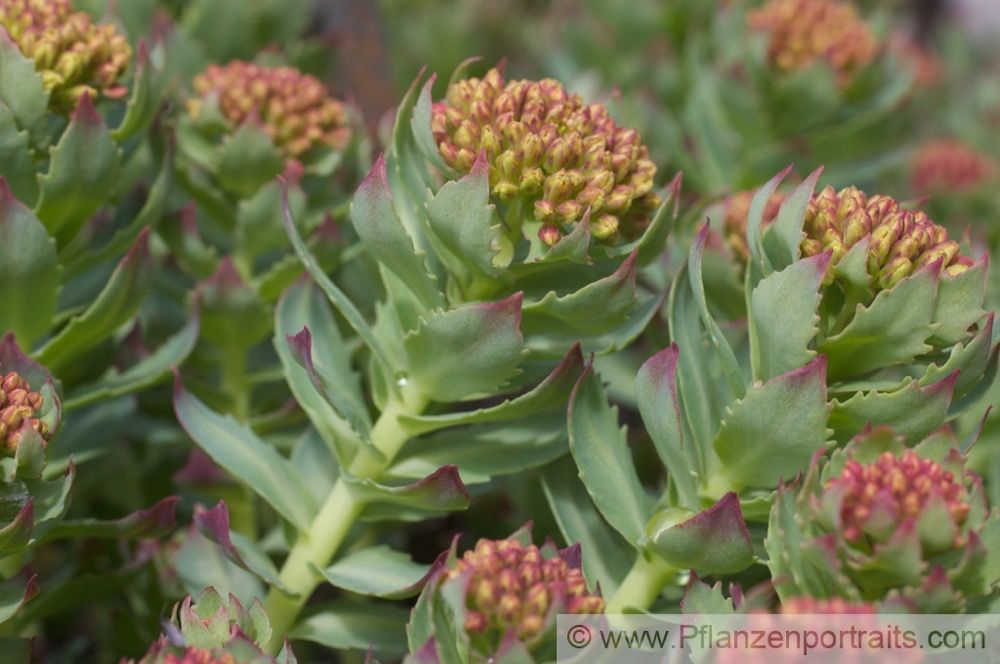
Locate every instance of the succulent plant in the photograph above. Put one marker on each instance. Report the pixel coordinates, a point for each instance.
(804, 31)
(949, 166)
(214, 630)
(19, 406)
(73, 55)
(501, 597)
(879, 520)
(549, 155)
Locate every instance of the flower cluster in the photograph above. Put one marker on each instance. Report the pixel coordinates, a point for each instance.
(512, 587)
(73, 55)
(18, 405)
(547, 149)
(804, 31)
(191, 655)
(294, 108)
(813, 606)
(737, 208)
(878, 497)
(947, 165)
(901, 241)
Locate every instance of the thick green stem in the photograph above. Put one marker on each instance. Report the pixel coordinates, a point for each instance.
(234, 383)
(318, 545)
(643, 584)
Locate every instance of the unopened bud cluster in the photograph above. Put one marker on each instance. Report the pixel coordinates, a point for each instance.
(902, 241)
(880, 496)
(18, 405)
(947, 165)
(73, 55)
(737, 209)
(804, 31)
(512, 587)
(545, 147)
(199, 656)
(833, 606)
(293, 108)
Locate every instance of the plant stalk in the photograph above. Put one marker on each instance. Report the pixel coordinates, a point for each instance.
(643, 584)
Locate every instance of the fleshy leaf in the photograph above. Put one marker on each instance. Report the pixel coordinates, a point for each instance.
(248, 159)
(893, 329)
(154, 521)
(593, 309)
(715, 541)
(21, 88)
(552, 392)
(783, 320)
(114, 305)
(148, 371)
(13, 595)
(143, 102)
(700, 598)
(379, 571)
(441, 491)
(15, 534)
(959, 302)
(461, 219)
(235, 447)
(214, 524)
(759, 262)
(971, 359)
(233, 315)
(345, 624)
(603, 458)
(785, 235)
(83, 170)
(913, 411)
(379, 227)
(16, 161)
(29, 271)
(773, 432)
(657, 397)
(474, 349)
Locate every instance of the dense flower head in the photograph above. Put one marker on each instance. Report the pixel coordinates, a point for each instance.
(879, 496)
(512, 587)
(947, 165)
(902, 241)
(18, 404)
(73, 55)
(293, 108)
(737, 208)
(199, 656)
(804, 31)
(548, 149)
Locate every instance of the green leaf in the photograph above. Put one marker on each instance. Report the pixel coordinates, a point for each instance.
(759, 262)
(83, 171)
(441, 491)
(484, 451)
(700, 598)
(552, 392)
(783, 319)
(345, 624)
(603, 458)
(21, 88)
(773, 432)
(113, 307)
(150, 215)
(51, 500)
(594, 309)
(715, 541)
(606, 556)
(143, 102)
(971, 358)
(29, 270)
(342, 303)
(893, 329)
(913, 411)
(200, 563)
(378, 571)
(785, 236)
(730, 366)
(420, 124)
(238, 449)
(462, 221)
(233, 316)
(303, 306)
(149, 371)
(15, 534)
(792, 573)
(657, 398)
(380, 228)
(154, 521)
(16, 160)
(13, 595)
(248, 159)
(959, 303)
(474, 349)
(214, 524)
